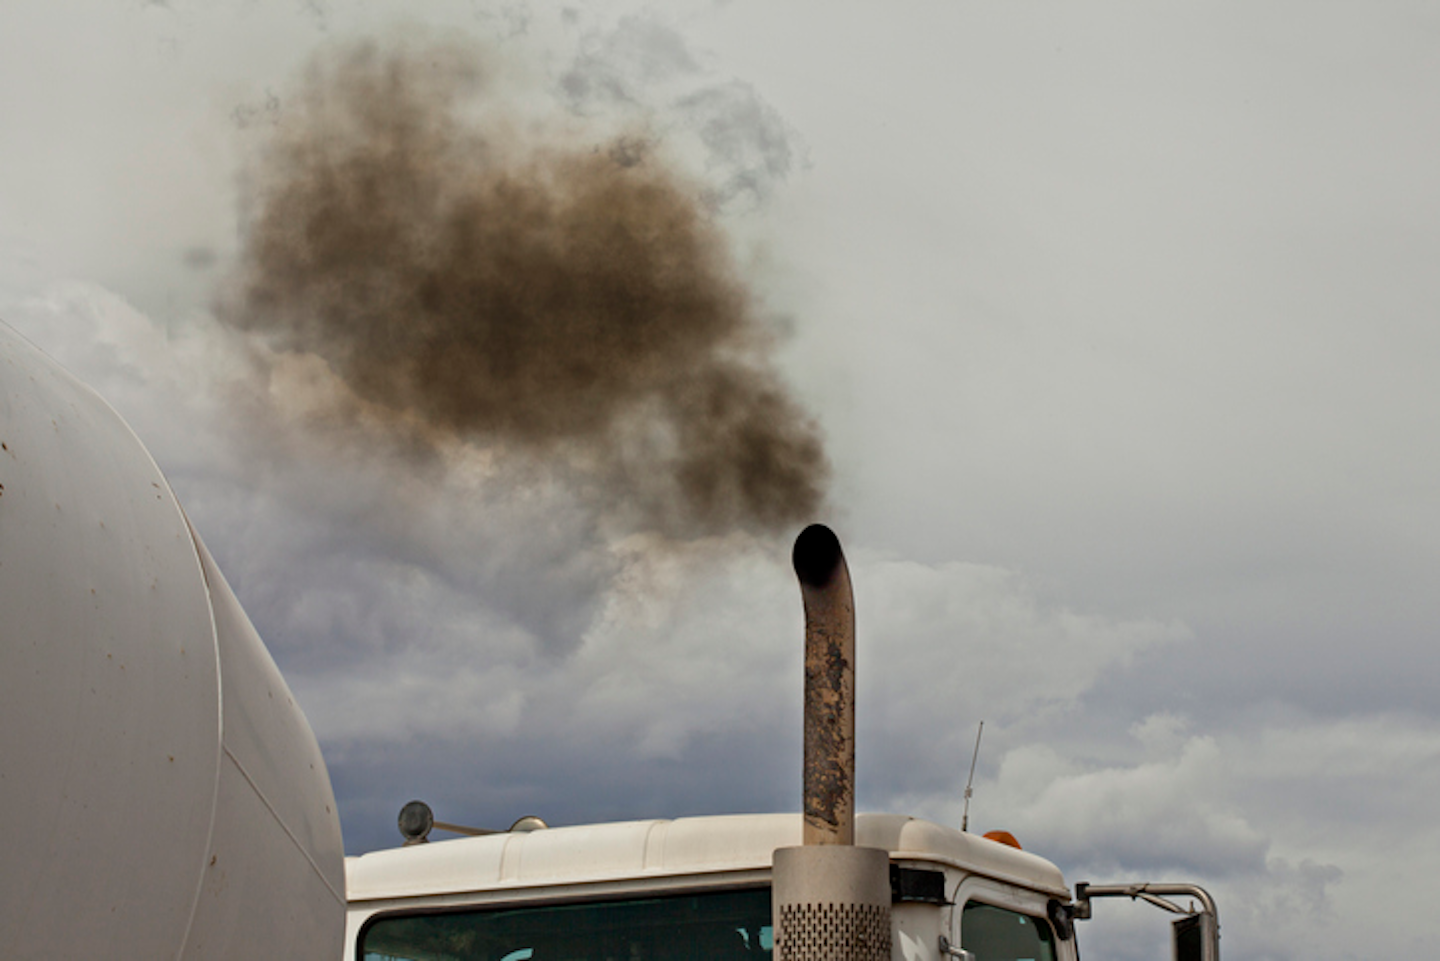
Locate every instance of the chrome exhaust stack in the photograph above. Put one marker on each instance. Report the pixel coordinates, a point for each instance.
(830, 899)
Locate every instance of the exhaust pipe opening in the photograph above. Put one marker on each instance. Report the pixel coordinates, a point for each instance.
(817, 556)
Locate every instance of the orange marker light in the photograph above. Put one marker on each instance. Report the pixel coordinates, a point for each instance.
(1003, 837)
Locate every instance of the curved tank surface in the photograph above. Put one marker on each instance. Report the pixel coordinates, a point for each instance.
(162, 793)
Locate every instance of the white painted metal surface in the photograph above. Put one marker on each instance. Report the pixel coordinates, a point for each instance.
(640, 850)
(160, 793)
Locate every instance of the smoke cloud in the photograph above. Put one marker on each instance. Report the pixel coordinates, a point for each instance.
(474, 275)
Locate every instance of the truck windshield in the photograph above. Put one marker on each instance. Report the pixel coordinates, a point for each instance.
(994, 934)
(712, 926)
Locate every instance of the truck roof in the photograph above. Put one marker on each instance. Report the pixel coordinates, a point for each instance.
(657, 849)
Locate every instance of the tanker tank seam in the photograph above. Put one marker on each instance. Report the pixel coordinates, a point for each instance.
(283, 826)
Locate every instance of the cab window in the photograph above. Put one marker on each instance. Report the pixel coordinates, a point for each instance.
(711, 926)
(995, 934)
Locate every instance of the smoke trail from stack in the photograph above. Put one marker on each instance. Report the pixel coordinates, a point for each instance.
(478, 276)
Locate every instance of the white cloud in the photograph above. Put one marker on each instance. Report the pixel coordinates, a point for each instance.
(977, 638)
(1159, 816)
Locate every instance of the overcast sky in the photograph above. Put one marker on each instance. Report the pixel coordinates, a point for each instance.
(1118, 323)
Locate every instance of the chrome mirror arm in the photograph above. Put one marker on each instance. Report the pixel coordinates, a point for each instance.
(949, 950)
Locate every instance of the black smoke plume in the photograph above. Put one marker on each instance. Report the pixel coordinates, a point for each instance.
(483, 275)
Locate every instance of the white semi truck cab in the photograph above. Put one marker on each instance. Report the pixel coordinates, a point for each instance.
(689, 888)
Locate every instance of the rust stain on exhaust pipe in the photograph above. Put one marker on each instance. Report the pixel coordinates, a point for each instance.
(829, 760)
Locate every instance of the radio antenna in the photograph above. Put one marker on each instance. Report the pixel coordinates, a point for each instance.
(965, 816)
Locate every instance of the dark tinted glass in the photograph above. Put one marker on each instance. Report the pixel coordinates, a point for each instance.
(994, 934)
(714, 926)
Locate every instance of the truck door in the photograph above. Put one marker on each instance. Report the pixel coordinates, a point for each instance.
(996, 922)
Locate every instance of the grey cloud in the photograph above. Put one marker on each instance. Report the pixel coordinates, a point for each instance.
(643, 66)
(1166, 817)
(1288, 911)
(426, 671)
(624, 64)
(1302, 890)
(462, 610)
(695, 652)
(751, 149)
(943, 647)
(264, 112)
(512, 19)
(490, 782)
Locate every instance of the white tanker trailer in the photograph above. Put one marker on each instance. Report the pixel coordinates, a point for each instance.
(163, 795)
